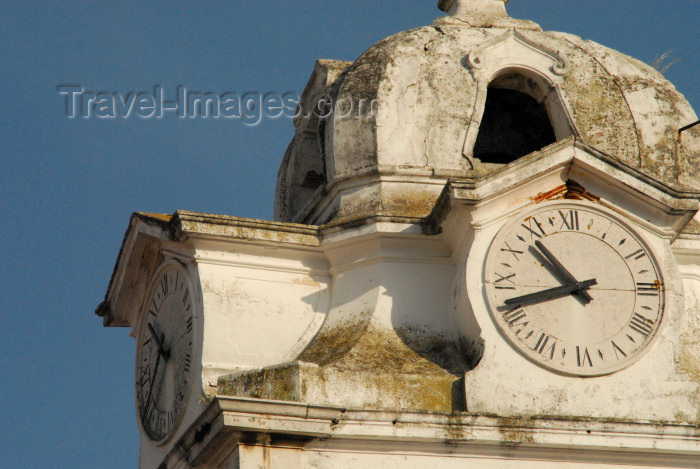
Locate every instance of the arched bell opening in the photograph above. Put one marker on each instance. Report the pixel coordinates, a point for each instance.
(522, 114)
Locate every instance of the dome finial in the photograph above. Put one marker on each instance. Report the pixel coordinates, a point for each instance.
(466, 8)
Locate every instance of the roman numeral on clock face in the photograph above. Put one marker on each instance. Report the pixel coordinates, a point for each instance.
(569, 219)
(648, 289)
(583, 358)
(638, 254)
(504, 281)
(545, 346)
(641, 324)
(515, 252)
(514, 316)
(537, 225)
(619, 353)
(160, 422)
(144, 377)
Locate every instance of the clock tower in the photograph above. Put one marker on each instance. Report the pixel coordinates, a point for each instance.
(487, 254)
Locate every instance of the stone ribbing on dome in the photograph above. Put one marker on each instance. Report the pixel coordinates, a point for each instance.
(417, 100)
(657, 109)
(302, 175)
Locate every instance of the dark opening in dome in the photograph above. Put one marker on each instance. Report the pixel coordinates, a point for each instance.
(513, 125)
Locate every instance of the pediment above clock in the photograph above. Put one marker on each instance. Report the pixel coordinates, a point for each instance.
(140, 255)
(572, 169)
(190, 237)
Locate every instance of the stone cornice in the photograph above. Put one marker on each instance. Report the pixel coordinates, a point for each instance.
(230, 420)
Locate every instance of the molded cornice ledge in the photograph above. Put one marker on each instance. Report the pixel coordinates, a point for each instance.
(585, 173)
(230, 421)
(191, 223)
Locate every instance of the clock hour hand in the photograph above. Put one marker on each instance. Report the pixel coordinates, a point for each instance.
(551, 293)
(159, 342)
(562, 272)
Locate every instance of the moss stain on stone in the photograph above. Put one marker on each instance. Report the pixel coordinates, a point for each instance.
(688, 363)
(456, 429)
(277, 383)
(392, 375)
(516, 430)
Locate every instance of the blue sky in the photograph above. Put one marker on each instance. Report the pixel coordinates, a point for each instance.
(69, 185)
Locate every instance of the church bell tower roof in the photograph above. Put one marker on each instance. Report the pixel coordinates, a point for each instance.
(412, 112)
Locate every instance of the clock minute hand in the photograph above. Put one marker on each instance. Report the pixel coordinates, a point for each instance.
(552, 293)
(153, 380)
(562, 271)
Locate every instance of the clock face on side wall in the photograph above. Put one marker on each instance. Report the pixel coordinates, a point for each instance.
(164, 353)
(574, 288)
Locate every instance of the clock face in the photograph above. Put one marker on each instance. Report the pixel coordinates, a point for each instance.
(164, 353)
(574, 289)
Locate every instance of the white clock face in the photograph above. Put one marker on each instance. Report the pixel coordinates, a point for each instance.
(574, 289)
(164, 353)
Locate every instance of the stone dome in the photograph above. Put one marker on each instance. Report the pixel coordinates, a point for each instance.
(463, 97)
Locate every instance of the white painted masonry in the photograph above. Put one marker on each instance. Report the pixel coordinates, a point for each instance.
(355, 331)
